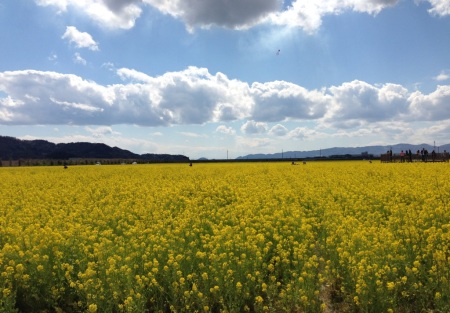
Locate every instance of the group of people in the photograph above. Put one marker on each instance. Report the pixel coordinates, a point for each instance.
(408, 156)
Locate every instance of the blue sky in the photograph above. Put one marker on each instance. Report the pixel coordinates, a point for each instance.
(203, 78)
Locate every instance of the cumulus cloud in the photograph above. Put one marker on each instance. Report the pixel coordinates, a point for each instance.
(112, 14)
(127, 74)
(302, 133)
(195, 96)
(278, 130)
(252, 127)
(444, 75)
(222, 129)
(231, 14)
(439, 7)
(356, 102)
(60, 4)
(431, 107)
(79, 39)
(236, 14)
(5, 108)
(279, 100)
(308, 14)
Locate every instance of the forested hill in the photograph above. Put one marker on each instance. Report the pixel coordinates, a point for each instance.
(15, 149)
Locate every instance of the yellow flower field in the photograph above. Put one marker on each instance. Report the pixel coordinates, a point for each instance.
(226, 237)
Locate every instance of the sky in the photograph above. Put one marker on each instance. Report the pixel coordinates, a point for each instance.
(226, 78)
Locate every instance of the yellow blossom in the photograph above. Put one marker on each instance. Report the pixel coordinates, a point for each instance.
(92, 308)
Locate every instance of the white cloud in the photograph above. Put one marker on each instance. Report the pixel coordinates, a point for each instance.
(195, 96)
(278, 130)
(102, 131)
(252, 127)
(439, 7)
(444, 75)
(279, 100)
(10, 102)
(356, 102)
(80, 39)
(60, 4)
(112, 14)
(231, 14)
(77, 106)
(77, 58)
(132, 75)
(6, 104)
(53, 98)
(302, 133)
(225, 130)
(431, 107)
(440, 132)
(236, 14)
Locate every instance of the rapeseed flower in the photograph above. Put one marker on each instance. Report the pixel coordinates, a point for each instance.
(217, 236)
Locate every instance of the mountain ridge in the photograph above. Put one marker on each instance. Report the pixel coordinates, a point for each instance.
(375, 150)
(14, 149)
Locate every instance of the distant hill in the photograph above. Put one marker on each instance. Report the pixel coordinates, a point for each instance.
(371, 150)
(14, 149)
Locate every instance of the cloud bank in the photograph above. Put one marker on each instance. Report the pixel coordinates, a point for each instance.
(195, 96)
(231, 14)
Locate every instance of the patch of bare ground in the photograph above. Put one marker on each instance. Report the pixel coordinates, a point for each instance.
(333, 298)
